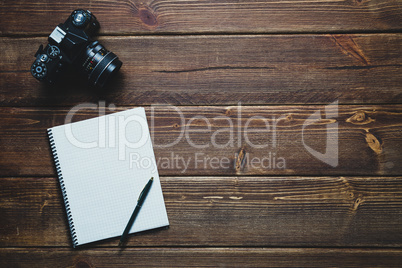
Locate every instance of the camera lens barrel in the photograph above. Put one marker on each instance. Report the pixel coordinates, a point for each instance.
(100, 64)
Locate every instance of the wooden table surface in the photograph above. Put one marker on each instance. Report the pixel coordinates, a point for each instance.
(254, 84)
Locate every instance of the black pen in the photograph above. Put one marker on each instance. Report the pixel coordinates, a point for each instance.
(141, 200)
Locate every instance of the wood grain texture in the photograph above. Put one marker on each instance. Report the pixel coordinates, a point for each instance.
(208, 139)
(269, 16)
(227, 212)
(284, 61)
(222, 70)
(200, 257)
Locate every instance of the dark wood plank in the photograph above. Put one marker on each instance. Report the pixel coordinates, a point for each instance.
(222, 70)
(133, 17)
(206, 140)
(227, 211)
(201, 257)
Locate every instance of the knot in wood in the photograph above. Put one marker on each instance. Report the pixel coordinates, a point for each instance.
(360, 2)
(147, 16)
(82, 264)
(240, 160)
(360, 118)
(374, 143)
(357, 202)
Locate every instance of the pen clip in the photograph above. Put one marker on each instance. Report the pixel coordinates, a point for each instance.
(139, 197)
(142, 192)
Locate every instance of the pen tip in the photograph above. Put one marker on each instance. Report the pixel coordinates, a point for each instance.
(152, 178)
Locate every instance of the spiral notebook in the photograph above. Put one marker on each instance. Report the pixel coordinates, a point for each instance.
(103, 164)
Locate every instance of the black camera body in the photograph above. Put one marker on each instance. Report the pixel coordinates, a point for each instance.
(70, 44)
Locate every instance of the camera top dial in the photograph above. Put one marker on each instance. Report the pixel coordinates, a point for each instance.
(38, 70)
(81, 17)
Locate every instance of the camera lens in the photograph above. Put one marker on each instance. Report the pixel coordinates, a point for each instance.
(100, 64)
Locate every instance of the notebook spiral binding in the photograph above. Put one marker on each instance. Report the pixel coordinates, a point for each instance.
(63, 188)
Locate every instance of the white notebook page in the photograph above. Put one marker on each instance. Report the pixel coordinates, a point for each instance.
(103, 181)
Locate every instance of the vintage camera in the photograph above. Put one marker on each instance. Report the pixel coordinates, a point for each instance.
(70, 44)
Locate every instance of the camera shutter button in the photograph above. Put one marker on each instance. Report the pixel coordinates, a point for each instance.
(44, 58)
